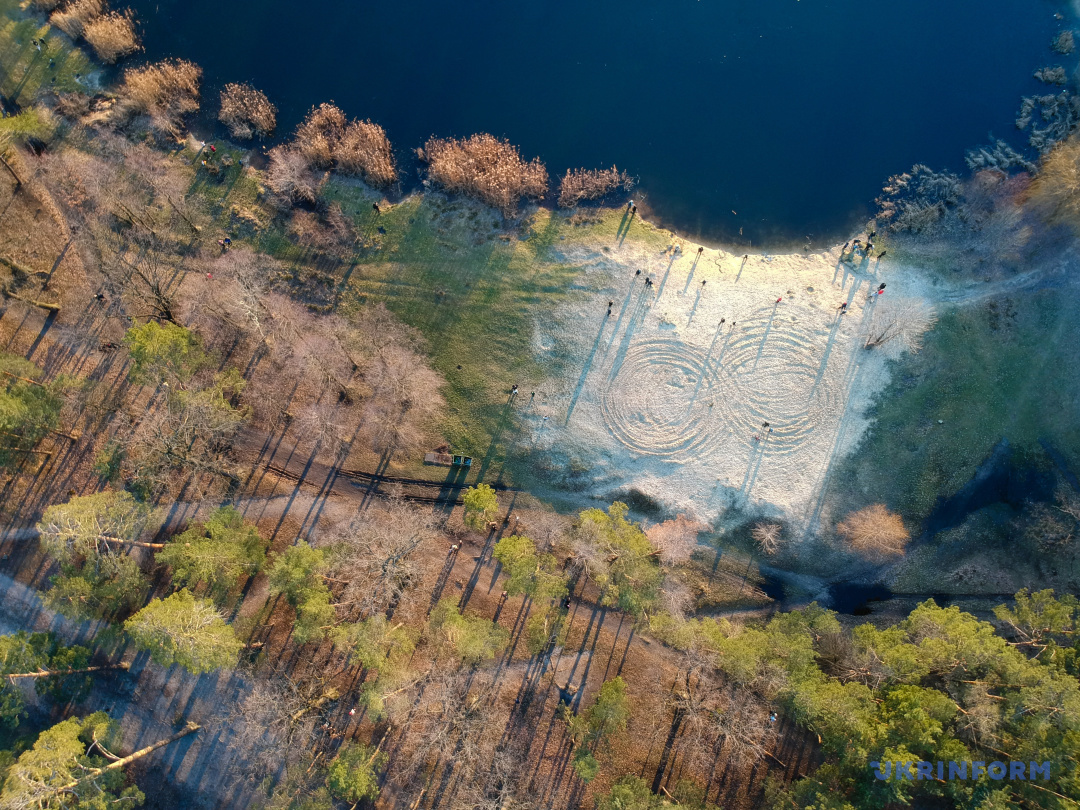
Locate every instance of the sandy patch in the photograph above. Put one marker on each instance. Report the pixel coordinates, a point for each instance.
(671, 392)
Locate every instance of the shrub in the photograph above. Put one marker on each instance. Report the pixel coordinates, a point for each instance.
(112, 36)
(874, 531)
(363, 149)
(164, 91)
(319, 135)
(247, 112)
(1056, 189)
(591, 184)
(487, 168)
(289, 175)
(73, 18)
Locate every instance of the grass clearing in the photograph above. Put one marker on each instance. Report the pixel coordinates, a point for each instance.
(1004, 368)
(25, 71)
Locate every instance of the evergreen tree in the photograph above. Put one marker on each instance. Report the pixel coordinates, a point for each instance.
(481, 506)
(297, 574)
(218, 554)
(29, 408)
(164, 353)
(353, 775)
(594, 726)
(623, 562)
(90, 536)
(469, 638)
(181, 629)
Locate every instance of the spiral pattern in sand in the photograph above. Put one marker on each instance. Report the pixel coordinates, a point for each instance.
(659, 399)
(772, 372)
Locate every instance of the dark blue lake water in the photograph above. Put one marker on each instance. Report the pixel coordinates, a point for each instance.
(789, 112)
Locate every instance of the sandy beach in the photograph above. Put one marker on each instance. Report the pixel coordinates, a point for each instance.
(673, 389)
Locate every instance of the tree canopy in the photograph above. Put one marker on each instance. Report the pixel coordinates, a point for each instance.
(181, 629)
(29, 408)
(217, 554)
(481, 505)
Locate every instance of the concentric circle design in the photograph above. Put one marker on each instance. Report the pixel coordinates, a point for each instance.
(770, 372)
(660, 399)
(667, 398)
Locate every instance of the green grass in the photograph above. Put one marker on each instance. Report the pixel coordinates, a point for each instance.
(1007, 369)
(24, 71)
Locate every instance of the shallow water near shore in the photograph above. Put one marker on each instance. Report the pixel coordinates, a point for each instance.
(768, 122)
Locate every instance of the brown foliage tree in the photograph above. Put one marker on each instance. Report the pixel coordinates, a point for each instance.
(487, 168)
(874, 532)
(319, 135)
(73, 18)
(247, 112)
(112, 36)
(363, 149)
(591, 184)
(1056, 189)
(164, 92)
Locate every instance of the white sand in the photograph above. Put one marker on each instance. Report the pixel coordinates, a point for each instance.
(664, 399)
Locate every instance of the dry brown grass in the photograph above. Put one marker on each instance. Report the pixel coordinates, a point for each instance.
(319, 134)
(164, 92)
(487, 168)
(247, 112)
(112, 35)
(1055, 191)
(875, 532)
(591, 184)
(73, 18)
(364, 150)
(327, 139)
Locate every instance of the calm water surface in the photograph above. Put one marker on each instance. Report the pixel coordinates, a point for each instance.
(779, 117)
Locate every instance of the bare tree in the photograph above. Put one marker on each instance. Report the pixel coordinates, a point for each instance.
(290, 176)
(767, 537)
(377, 555)
(874, 532)
(405, 401)
(905, 321)
(275, 722)
(677, 539)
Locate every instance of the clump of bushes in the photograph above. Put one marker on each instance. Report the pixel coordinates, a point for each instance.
(247, 112)
(484, 167)
(73, 18)
(364, 150)
(328, 139)
(591, 184)
(112, 36)
(164, 92)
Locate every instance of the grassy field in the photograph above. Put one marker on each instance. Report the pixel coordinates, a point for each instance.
(24, 71)
(1006, 368)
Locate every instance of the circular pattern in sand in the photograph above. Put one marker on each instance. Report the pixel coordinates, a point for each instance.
(771, 370)
(667, 398)
(657, 399)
